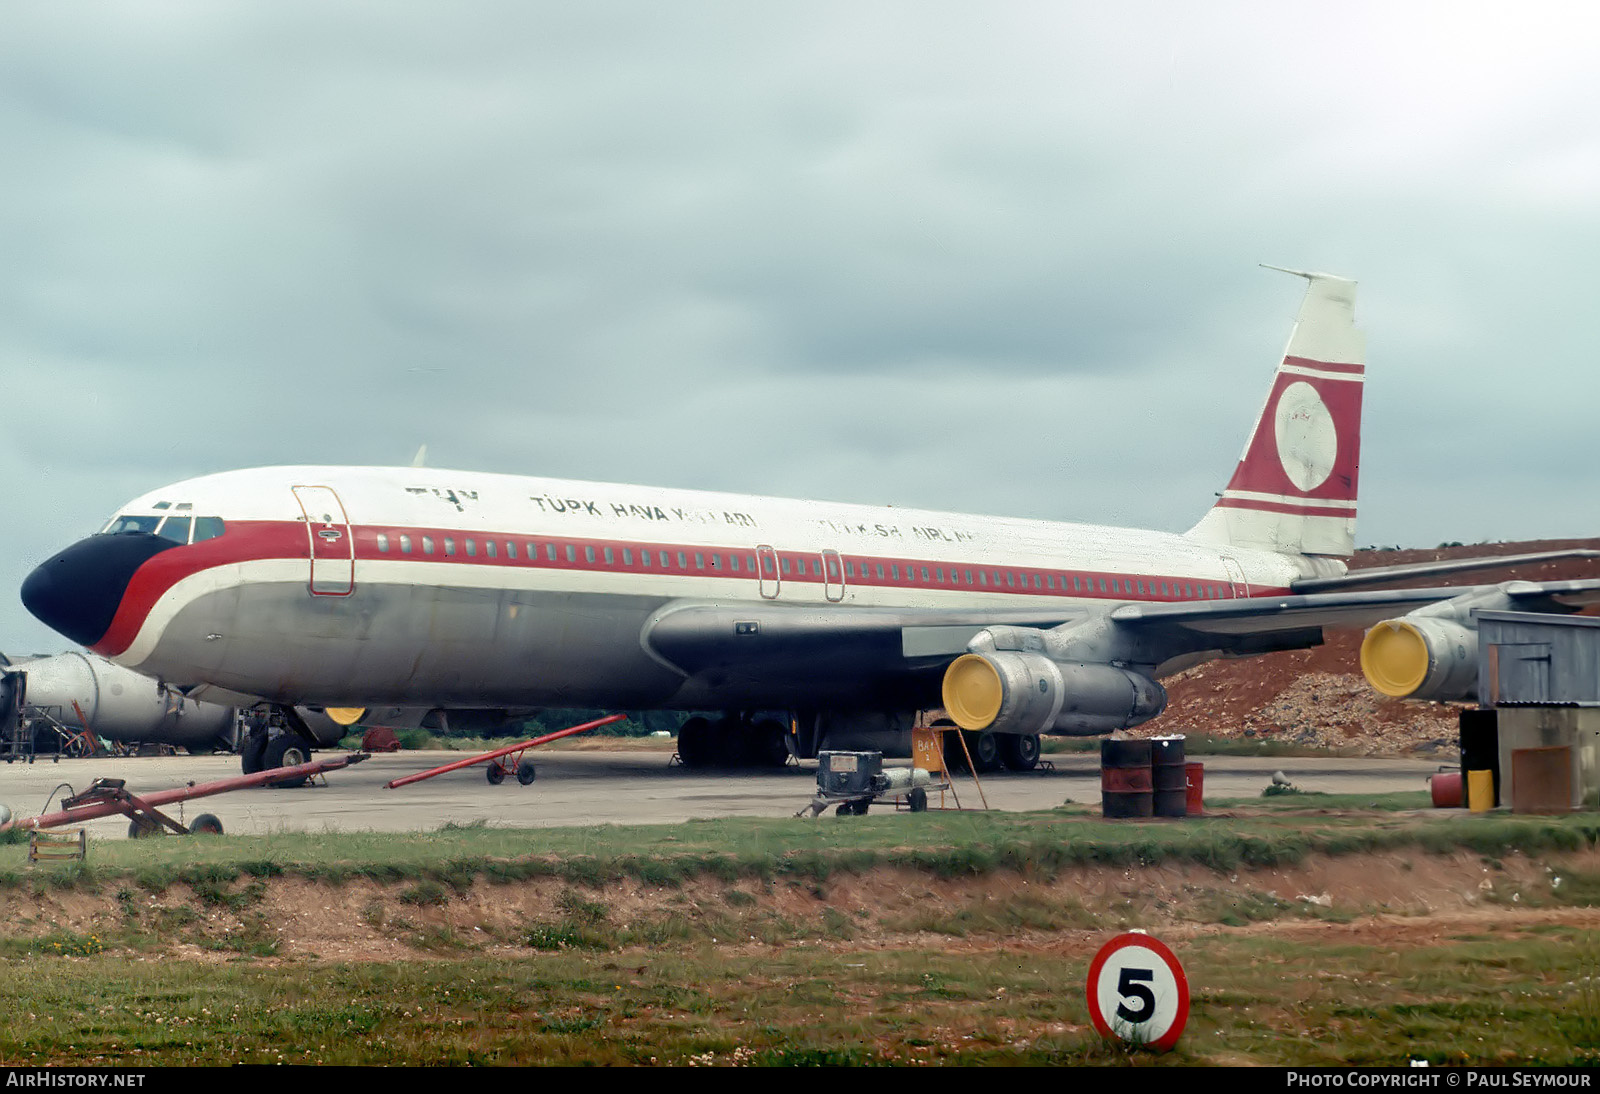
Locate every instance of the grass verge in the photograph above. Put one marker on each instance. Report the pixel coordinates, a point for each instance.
(738, 942)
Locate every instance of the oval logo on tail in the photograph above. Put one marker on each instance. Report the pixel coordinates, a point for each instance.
(1308, 439)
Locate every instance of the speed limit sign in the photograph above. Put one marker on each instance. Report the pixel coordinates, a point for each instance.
(1137, 991)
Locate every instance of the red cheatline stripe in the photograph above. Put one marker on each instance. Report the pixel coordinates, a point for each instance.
(244, 541)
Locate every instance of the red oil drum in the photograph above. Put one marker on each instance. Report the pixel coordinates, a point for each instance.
(1196, 801)
(1125, 786)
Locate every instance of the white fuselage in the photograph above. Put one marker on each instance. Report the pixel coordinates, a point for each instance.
(352, 586)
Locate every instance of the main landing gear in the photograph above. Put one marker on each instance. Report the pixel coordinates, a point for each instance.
(279, 738)
(733, 740)
(990, 751)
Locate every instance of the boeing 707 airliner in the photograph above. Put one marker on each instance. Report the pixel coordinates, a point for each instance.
(357, 587)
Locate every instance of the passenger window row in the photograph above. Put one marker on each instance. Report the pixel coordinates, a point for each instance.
(770, 565)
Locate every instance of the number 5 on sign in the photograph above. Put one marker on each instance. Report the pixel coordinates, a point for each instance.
(1137, 991)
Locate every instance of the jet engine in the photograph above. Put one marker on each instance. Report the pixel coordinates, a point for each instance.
(120, 704)
(1422, 657)
(1007, 691)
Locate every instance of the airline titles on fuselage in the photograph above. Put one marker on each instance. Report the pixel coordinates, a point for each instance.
(585, 507)
(603, 509)
(891, 531)
(581, 507)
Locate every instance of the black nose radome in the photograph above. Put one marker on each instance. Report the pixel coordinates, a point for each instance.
(77, 592)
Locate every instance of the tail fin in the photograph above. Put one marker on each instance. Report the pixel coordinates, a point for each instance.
(1294, 490)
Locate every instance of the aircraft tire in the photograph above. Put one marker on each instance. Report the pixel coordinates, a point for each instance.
(734, 744)
(1020, 751)
(697, 743)
(252, 755)
(985, 748)
(526, 772)
(982, 745)
(769, 743)
(286, 750)
(206, 824)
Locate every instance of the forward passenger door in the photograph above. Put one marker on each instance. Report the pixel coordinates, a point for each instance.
(330, 544)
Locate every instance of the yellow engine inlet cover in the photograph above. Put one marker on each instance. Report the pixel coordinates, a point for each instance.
(972, 692)
(1394, 658)
(345, 716)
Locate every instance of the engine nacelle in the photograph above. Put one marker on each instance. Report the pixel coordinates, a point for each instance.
(120, 704)
(1021, 692)
(1421, 657)
(326, 729)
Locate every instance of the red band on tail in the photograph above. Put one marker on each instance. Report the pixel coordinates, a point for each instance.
(1308, 441)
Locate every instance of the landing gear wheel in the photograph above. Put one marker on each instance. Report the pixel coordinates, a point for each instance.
(981, 745)
(769, 743)
(253, 754)
(1020, 751)
(985, 750)
(697, 743)
(494, 773)
(917, 800)
(206, 824)
(286, 750)
(734, 743)
(526, 773)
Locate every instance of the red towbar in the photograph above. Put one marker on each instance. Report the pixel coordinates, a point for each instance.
(106, 797)
(497, 770)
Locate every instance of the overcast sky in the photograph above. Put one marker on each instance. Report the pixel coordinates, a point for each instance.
(986, 257)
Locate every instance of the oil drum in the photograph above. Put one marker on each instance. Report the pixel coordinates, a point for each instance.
(1169, 779)
(1125, 783)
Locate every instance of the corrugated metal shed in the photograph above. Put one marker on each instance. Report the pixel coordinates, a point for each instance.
(1534, 658)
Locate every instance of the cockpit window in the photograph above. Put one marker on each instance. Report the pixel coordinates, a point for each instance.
(179, 529)
(176, 529)
(122, 524)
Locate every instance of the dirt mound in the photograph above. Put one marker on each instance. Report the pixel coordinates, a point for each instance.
(1318, 697)
(1367, 896)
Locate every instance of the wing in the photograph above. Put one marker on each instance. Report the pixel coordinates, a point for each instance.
(1267, 614)
(774, 639)
(777, 641)
(1369, 576)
